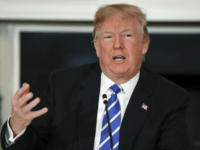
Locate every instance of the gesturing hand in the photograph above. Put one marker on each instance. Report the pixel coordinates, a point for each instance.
(22, 115)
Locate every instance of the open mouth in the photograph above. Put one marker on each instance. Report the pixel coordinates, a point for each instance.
(119, 58)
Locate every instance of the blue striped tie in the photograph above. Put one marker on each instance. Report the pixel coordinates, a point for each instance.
(114, 111)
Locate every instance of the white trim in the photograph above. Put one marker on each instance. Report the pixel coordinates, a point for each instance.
(16, 57)
(54, 28)
(174, 30)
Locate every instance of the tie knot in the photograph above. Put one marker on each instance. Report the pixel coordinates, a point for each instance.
(115, 88)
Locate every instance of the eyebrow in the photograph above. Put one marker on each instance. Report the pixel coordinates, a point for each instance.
(107, 31)
(126, 30)
(110, 31)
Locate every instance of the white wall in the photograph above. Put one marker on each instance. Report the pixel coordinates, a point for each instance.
(157, 10)
(6, 69)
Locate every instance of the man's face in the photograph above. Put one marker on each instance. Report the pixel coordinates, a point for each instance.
(120, 48)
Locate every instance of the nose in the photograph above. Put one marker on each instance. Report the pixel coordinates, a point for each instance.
(118, 43)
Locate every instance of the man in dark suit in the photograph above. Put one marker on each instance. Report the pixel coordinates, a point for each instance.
(71, 112)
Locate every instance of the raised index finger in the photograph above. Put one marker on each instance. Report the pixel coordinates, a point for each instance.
(25, 87)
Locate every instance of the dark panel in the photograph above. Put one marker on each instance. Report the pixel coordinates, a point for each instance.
(42, 53)
(174, 53)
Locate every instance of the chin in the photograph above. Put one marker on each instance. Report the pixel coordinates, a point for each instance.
(125, 71)
(119, 72)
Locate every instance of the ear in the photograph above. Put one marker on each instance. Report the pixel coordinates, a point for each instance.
(145, 46)
(96, 45)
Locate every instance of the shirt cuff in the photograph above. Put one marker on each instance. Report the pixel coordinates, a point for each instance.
(10, 135)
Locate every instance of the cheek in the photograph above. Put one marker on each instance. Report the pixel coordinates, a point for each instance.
(106, 47)
(135, 52)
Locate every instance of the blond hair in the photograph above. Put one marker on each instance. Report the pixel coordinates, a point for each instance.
(123, 9)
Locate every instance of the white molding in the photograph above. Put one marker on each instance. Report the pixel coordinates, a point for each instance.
(53, 28)
(16, 59)
(173, 30)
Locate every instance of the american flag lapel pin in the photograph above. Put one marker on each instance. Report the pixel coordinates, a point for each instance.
(144, 106)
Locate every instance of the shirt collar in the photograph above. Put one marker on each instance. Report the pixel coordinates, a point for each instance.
(106, 83)
(128, 87)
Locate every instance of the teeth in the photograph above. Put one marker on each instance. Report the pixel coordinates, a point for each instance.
(119, 58)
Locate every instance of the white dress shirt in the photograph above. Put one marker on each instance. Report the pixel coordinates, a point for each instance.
(123, 96)
(9, 136)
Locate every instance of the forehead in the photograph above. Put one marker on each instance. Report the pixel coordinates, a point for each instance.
(117, 22)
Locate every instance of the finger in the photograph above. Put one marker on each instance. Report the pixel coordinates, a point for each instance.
(26, 91)
(31, 105)
(21, 91)
(27, 88)
(35, 114)
(22, 101)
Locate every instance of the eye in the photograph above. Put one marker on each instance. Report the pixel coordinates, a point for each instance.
(128, 35)
(108, 36)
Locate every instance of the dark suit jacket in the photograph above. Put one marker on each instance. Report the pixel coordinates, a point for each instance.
(72, 99)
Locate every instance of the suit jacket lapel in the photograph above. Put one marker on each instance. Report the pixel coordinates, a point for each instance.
(87, 98)
(135, 116)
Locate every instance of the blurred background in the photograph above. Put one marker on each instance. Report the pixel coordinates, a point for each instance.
(39, 37)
